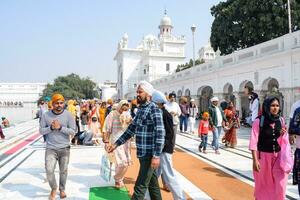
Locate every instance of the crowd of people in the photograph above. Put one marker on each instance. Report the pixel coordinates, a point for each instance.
(154, 119)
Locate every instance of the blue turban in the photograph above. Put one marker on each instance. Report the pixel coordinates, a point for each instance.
(159, 97)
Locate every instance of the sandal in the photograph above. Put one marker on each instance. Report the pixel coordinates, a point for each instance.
(119, 185)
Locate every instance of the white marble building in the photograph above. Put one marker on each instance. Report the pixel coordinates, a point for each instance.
(108, 90)
(271, 68)
(153, 58)
(207, 53)
(11, 94)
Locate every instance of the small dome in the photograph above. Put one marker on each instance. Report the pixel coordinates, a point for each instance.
(150, 37)
(166, 21)
(125, 36)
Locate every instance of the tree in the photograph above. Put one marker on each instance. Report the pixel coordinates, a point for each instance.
(199, 62)
(244, 23)
(72, 87)
(188, 65)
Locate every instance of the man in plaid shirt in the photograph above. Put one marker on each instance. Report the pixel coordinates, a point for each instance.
(150, 133)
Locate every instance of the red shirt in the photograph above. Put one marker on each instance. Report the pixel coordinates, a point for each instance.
(203, 127)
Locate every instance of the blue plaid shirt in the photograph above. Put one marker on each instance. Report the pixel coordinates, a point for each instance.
(149, 128)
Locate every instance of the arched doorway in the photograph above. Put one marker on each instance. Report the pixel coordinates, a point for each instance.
(228, 93)
(179, 94)
(187, 94)
(270, 88)
(245, 88)
(205, 93)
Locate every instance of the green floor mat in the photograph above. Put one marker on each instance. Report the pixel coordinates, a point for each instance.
(108, 193)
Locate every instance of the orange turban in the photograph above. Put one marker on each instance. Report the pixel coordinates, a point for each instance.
(205, 115)
(50, 105)
(110, 101)
(56, 97)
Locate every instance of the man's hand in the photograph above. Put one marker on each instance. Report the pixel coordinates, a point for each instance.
(292, 139)
(110, 148)
(55, 124)
(213, 128)
(106, 146)
(155, 163)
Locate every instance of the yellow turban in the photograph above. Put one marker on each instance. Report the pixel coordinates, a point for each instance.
(56, 97)
(71, 102)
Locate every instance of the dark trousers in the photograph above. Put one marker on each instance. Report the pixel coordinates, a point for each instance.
(147, 179)
(77, 124)
(1, 133)
(296, 169)
(183, 120)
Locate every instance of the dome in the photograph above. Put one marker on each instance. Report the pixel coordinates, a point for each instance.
(166, 21)
(125, 36)
(150, 37)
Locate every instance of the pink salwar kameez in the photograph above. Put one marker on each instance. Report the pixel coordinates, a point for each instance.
(271, 180)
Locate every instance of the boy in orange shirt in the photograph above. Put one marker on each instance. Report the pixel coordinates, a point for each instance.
(203, 131)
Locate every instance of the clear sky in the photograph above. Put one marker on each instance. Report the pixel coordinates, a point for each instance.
(40, 40)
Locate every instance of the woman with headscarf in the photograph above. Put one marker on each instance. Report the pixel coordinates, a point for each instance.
(229, 138)
(115, 124)
(267, 134)
(102, 115)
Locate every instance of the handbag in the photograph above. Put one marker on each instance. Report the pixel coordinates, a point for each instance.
(106, 167)
(286, 160)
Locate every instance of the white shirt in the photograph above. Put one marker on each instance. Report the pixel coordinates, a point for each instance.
(254, 109)
(293, 108)
(219, 116)
(173, 107)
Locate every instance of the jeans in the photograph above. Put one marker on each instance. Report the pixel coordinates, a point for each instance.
(216, 136)
(183, 120)
(51, 158)
(147, 179)
(203, 143)
(166, 169)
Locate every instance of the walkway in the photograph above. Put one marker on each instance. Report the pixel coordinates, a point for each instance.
(203, 176)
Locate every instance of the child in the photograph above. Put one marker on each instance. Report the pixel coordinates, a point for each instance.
(203, 131)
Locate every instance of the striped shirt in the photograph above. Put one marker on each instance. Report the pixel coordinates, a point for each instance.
(149, 129)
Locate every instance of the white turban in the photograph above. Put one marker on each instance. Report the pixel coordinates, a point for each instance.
(147, 87)
(214, 99)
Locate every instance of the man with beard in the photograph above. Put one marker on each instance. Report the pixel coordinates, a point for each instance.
(150, 135)
(58, 124)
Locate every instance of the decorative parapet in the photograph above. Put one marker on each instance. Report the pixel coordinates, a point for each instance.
(280, 44)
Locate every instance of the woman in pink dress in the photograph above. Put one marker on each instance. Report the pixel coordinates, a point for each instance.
(270, 179)
(115, 124)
